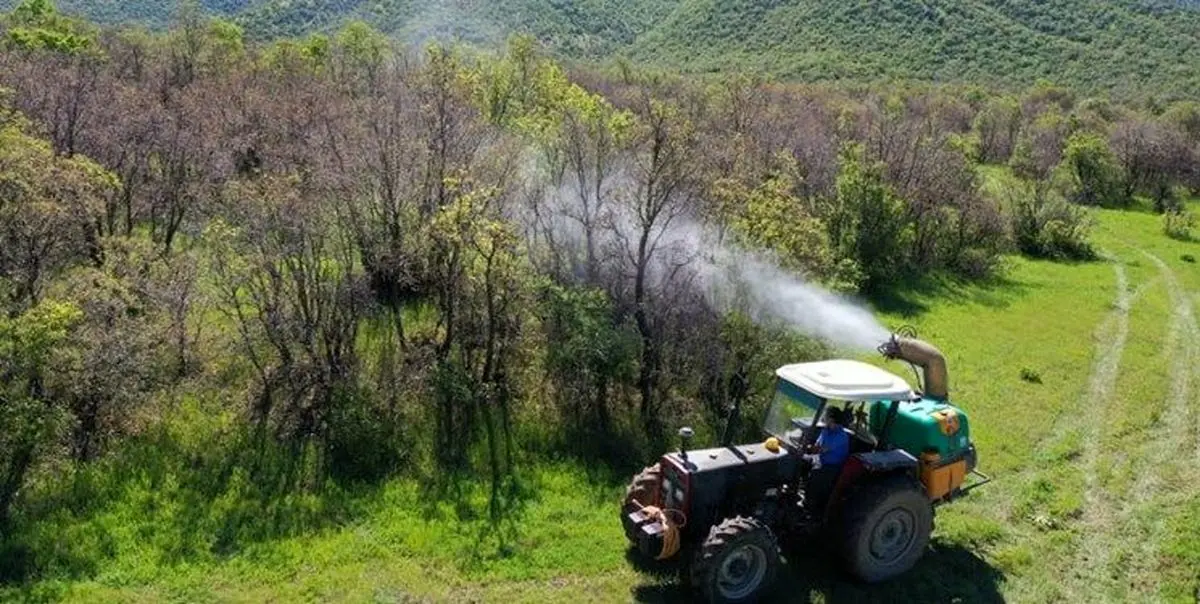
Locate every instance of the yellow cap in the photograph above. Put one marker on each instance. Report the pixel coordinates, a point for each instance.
(772, 444)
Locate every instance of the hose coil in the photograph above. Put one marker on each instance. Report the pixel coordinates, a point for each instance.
(671, 537)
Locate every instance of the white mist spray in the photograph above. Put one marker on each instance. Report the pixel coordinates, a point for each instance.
(729, 278)
(734, 279)
(768, 293)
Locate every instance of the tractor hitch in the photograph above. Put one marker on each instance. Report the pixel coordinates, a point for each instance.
(962, 492)
(983, 479)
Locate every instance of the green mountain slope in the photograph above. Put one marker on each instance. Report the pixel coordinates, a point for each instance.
(1091, 44)
(154, 13)
(1120, 47)
(576, 27)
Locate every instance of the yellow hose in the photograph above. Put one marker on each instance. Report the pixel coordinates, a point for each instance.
(671, 542)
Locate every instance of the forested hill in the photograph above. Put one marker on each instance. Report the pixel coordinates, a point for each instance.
(1109, 46)
(1099, 45)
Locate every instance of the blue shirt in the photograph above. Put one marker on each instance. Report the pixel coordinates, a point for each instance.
(838, 444)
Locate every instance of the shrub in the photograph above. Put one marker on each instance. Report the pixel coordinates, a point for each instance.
(366, 441)
(1091, 172)
(1046, 226)
(977, 263)
(1178, 224)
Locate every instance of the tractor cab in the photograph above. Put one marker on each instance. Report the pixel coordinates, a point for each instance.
(803, 392)
(888, 423)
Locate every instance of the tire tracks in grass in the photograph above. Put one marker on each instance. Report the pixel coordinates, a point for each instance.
(1182, 348)
(1110, 338)
(1160, 457)
(1108, 524)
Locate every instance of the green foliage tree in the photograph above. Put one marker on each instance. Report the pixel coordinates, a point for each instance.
(30, 422)
(484, 285)
(1091, 173)
(594, 356)
(771, 217)
(37, 25)
(867, 221)
(50, 208)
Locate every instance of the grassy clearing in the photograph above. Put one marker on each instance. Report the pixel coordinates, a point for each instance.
(1093, 499)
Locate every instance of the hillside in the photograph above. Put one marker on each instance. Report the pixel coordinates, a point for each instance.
(152, 13)
(1116, 47)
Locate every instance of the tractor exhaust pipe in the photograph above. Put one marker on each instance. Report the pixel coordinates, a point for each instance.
(925, 356)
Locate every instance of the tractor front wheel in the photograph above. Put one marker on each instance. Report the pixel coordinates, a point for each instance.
(887, 527)
(737, 563)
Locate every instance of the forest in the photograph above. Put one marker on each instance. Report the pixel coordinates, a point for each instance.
(1143, 50)
(243, 280)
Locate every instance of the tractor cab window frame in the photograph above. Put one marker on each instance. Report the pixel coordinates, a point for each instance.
(793, 415)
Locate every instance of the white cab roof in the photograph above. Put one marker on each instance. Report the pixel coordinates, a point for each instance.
(847, 380)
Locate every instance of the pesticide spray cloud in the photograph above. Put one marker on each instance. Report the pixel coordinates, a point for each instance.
(730, 279)
(733, 279)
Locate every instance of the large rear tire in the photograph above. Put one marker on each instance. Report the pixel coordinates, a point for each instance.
(646, 488)
(737, 563)
(886, 528)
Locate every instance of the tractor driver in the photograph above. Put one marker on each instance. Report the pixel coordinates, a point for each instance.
(832, 448)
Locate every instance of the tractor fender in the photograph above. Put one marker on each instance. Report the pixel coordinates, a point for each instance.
(886, 461)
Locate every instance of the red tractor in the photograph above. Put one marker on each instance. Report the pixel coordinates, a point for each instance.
(724, 510)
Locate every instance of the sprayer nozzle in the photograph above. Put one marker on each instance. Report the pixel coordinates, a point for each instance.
(890, 349)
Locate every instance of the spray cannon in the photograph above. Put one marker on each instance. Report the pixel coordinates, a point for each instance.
(905, 346)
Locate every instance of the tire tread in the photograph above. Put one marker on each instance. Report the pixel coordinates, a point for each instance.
(859, 508)
(719, 536)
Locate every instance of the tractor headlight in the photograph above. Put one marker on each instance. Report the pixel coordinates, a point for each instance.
(672, 493)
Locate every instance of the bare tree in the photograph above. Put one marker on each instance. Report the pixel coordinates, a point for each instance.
(287, 278)
(1155, 159)
(664, 188)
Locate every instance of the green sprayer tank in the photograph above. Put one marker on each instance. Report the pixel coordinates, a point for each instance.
(926, 425)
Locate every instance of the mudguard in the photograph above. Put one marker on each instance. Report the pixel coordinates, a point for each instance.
(872, 462)
(886, 461)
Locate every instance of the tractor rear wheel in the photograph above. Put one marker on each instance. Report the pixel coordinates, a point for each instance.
(737, 563)
(886, 528)
(646, 488)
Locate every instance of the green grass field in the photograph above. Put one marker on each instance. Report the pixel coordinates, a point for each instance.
(1080, 383)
